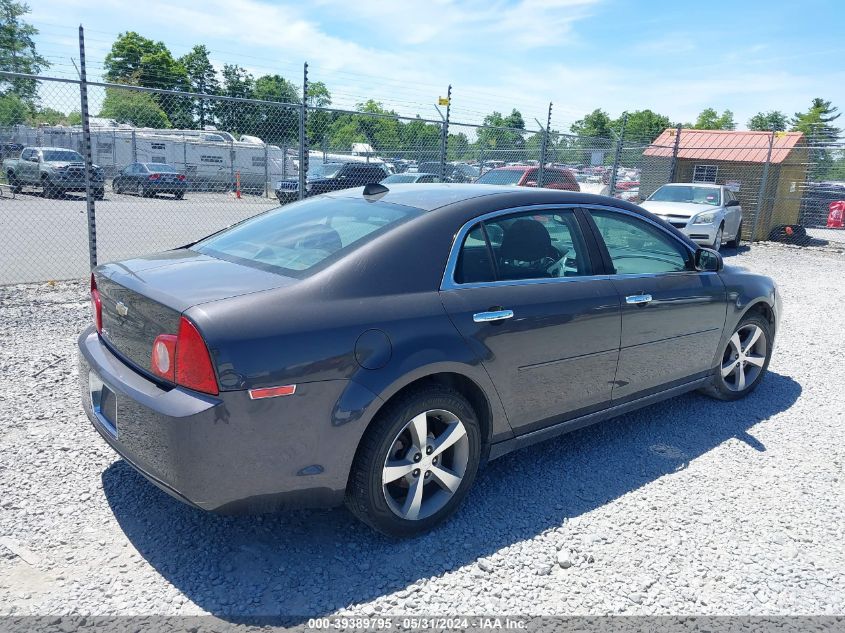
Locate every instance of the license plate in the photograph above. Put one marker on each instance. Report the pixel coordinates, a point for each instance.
(103, 403)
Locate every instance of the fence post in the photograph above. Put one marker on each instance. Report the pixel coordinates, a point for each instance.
(444, 135)
(618, 156)
(544, 145)
(266, 171)
(86, 146)
(303, 153)
(761, 195)
(675, 154)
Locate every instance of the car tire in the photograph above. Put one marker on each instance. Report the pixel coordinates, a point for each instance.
(115, 187)
(717, 241)
(735, 242)
(753, 332)
(141, 191)
(387, 504)
(14, 184)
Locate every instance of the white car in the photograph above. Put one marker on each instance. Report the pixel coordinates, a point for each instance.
(708, 214)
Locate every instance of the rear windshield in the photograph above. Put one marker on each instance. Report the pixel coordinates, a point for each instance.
(697, 195)
(161, 168)
(300, 238)
(61, 156)
(501, 177)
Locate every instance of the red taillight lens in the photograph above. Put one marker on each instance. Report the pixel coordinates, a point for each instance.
(163, 362)
(193, 362)
(96, 305)
(154, 176)
(181, 177)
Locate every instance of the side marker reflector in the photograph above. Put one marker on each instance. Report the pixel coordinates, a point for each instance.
(272, 392)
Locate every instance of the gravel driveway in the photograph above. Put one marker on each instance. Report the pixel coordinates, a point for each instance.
(689, 507)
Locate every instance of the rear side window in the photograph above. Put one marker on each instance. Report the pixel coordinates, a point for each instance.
(299, 239)
(637, 247)
(525, 246)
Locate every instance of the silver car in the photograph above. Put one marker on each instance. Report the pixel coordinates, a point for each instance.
(708, 214)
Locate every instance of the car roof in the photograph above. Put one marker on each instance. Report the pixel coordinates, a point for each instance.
(513, 168)
(692, 184)
(431, 196)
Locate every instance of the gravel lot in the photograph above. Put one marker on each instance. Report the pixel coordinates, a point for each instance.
(688, 507)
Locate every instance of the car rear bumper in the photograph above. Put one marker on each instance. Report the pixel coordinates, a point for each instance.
(166, 187)
(225, 453)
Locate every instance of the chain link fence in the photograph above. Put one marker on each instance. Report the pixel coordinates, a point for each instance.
(157, 184)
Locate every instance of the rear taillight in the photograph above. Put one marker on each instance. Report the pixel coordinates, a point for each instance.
(163, 362)
(96, 305)
(184, 359)
(181, 177)
(154, 176)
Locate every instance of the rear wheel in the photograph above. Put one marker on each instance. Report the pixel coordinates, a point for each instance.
(141, 191)
(416, 462)
(744, 360)
(14, 183)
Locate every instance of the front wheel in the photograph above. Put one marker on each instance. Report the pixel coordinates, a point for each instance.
(416, 462)
(744, 360)
(734, 243)
(14, 183)
(717, 241)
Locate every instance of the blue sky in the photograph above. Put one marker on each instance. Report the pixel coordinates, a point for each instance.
(675, 57)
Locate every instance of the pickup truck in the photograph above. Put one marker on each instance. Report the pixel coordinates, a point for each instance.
(56, 170)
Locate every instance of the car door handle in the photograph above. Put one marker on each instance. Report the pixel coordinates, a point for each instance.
(493, 315)
(638, 299)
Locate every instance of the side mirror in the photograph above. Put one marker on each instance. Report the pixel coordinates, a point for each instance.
(732, 203)
(708, 260)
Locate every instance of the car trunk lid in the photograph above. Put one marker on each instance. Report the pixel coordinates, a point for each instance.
(145, 297)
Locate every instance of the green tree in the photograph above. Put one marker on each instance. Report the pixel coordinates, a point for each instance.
(201, 78)
(47, 116)
(709, 119)
(502, 144)
(597, 124)
(816, 122)
(17, 51)
(139, 109)
(275, 124)
(318, 123)
(13, 110)
(139, 61)
(382, 133)
(238, 118)
(643, 125)
(458, 145)
(767, 121)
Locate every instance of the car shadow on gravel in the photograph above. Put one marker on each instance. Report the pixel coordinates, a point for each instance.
(305, 563)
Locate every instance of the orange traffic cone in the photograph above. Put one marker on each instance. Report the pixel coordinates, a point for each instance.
(835, 217)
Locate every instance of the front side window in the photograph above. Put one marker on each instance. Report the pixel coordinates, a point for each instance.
(300, 238)
(636, 247)
(61, 156)
(526, 245)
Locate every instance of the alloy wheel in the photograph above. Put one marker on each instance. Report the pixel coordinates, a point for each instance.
(425, 465)
(717, 241)
(140, 190)
(744, 357)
